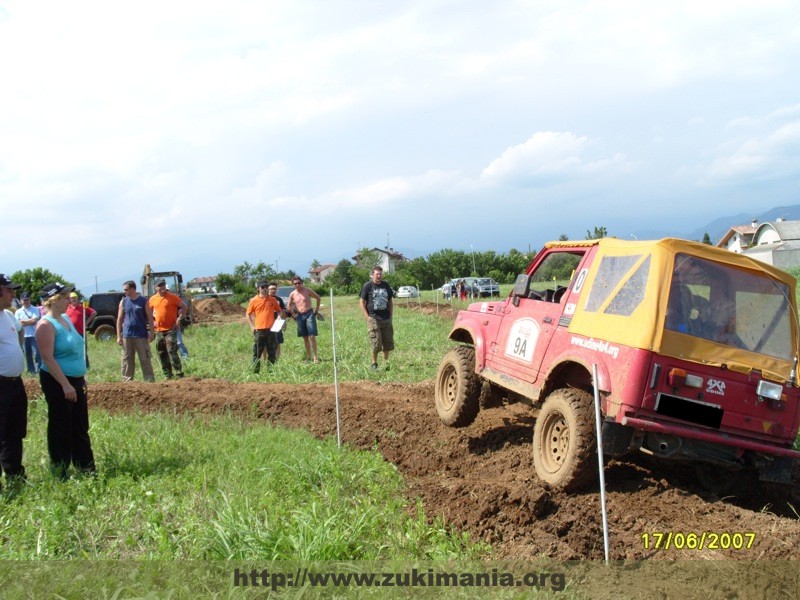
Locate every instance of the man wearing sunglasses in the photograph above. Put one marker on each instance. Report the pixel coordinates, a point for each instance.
(306, 316)
(261, 316)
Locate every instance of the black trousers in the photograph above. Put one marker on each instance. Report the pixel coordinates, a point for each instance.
(67, 425)
(13, 425)
(264, 340)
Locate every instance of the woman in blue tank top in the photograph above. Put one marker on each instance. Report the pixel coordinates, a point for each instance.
(64, 386)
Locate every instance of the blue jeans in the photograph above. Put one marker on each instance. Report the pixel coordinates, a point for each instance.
(32, 358)
(306, 324)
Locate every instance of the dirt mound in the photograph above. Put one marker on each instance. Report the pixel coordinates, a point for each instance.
(209, 310)
(481, 479)
(427, 308)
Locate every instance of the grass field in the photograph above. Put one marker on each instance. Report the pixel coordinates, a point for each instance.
(184, 487)
(225, 351)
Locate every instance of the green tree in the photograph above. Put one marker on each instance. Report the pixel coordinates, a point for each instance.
(33, 280)
(599, 233)
(563, 237)
(707, 239)
(242, 282)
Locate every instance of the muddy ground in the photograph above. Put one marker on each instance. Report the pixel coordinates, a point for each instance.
(482, 480)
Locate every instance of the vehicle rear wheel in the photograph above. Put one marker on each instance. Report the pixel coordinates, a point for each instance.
(105, 333)
(717, 479)
(458, 388)
(564, 453)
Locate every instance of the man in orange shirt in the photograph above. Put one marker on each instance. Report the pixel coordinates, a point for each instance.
(261, 316)
(167, 309)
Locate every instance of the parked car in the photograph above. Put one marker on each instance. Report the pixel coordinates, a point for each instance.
(284, 291)
(469, 283)
(407, 291)
(487, 287)
(104, 325)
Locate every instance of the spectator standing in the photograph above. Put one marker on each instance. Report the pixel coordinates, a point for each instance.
(306, 317)
(81, 316)
(261, 313)
(376, 305)
(64, 386)
(272, 290)
(182, 349)
(28, 316)
(167, 309)
(135, 332)
(13, 399)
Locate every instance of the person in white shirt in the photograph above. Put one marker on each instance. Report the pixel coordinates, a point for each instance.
(28, 316)
(13, 399)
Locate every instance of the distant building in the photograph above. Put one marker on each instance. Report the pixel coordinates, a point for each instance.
(320, 273)
(387, 258)
(776, 243)
(202, 285)
(739, 237)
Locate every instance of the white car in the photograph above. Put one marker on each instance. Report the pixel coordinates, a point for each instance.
(407, 291)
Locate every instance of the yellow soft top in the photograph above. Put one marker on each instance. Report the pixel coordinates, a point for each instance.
(627, 303)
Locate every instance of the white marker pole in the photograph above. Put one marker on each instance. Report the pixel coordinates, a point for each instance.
(600, 460)
(335, 376)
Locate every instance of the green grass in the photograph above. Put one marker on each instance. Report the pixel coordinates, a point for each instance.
(186, 487)
(225, 351)
(182, 487)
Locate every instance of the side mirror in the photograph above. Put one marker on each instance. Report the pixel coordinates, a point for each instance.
(180, 278)
(143, 280)
(521, 288)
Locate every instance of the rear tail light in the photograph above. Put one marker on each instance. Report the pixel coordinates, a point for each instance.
(677, 377)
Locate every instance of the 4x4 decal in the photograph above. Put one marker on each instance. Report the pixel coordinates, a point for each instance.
(522, 339)
(715, 386)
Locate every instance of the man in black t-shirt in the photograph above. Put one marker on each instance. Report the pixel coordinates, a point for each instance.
(376, 304)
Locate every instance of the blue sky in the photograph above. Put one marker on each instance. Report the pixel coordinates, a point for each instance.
(197, 135)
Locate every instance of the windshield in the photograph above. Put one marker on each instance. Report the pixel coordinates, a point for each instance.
(729, 306)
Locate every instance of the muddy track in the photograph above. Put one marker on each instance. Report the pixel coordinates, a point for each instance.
(481, 478)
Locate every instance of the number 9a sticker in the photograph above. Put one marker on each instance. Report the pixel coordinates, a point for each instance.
(521, 342)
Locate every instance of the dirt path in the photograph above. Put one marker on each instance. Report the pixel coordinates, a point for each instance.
(481, 478)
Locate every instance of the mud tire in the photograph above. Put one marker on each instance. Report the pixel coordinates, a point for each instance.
(490, 396)
(717, 479)
(105, 333)
(564, 446)
(458, 388)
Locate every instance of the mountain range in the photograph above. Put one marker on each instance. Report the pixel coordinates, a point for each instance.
(717, 228)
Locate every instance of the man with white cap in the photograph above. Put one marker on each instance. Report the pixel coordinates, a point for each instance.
(13, 399)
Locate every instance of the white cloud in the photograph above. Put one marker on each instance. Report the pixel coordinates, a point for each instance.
(548, 157)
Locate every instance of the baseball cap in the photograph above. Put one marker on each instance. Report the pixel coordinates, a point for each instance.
(261, 284)
(160, 282)
(25, 296)
(54, 289)
(7, 283)
(73, 295)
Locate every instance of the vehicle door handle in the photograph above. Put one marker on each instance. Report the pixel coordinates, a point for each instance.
(547, 320)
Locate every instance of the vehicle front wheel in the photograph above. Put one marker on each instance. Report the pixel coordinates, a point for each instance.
(105, 333)
(564, 452)
(458, 388)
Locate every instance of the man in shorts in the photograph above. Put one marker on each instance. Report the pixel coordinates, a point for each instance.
(376, 305)
(305, 316)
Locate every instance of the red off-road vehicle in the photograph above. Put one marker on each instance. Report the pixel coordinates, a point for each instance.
(695, 348)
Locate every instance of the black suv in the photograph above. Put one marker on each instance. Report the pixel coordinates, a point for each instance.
(104, 326)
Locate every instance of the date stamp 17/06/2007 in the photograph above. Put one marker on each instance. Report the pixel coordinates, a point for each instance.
(705, 540)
